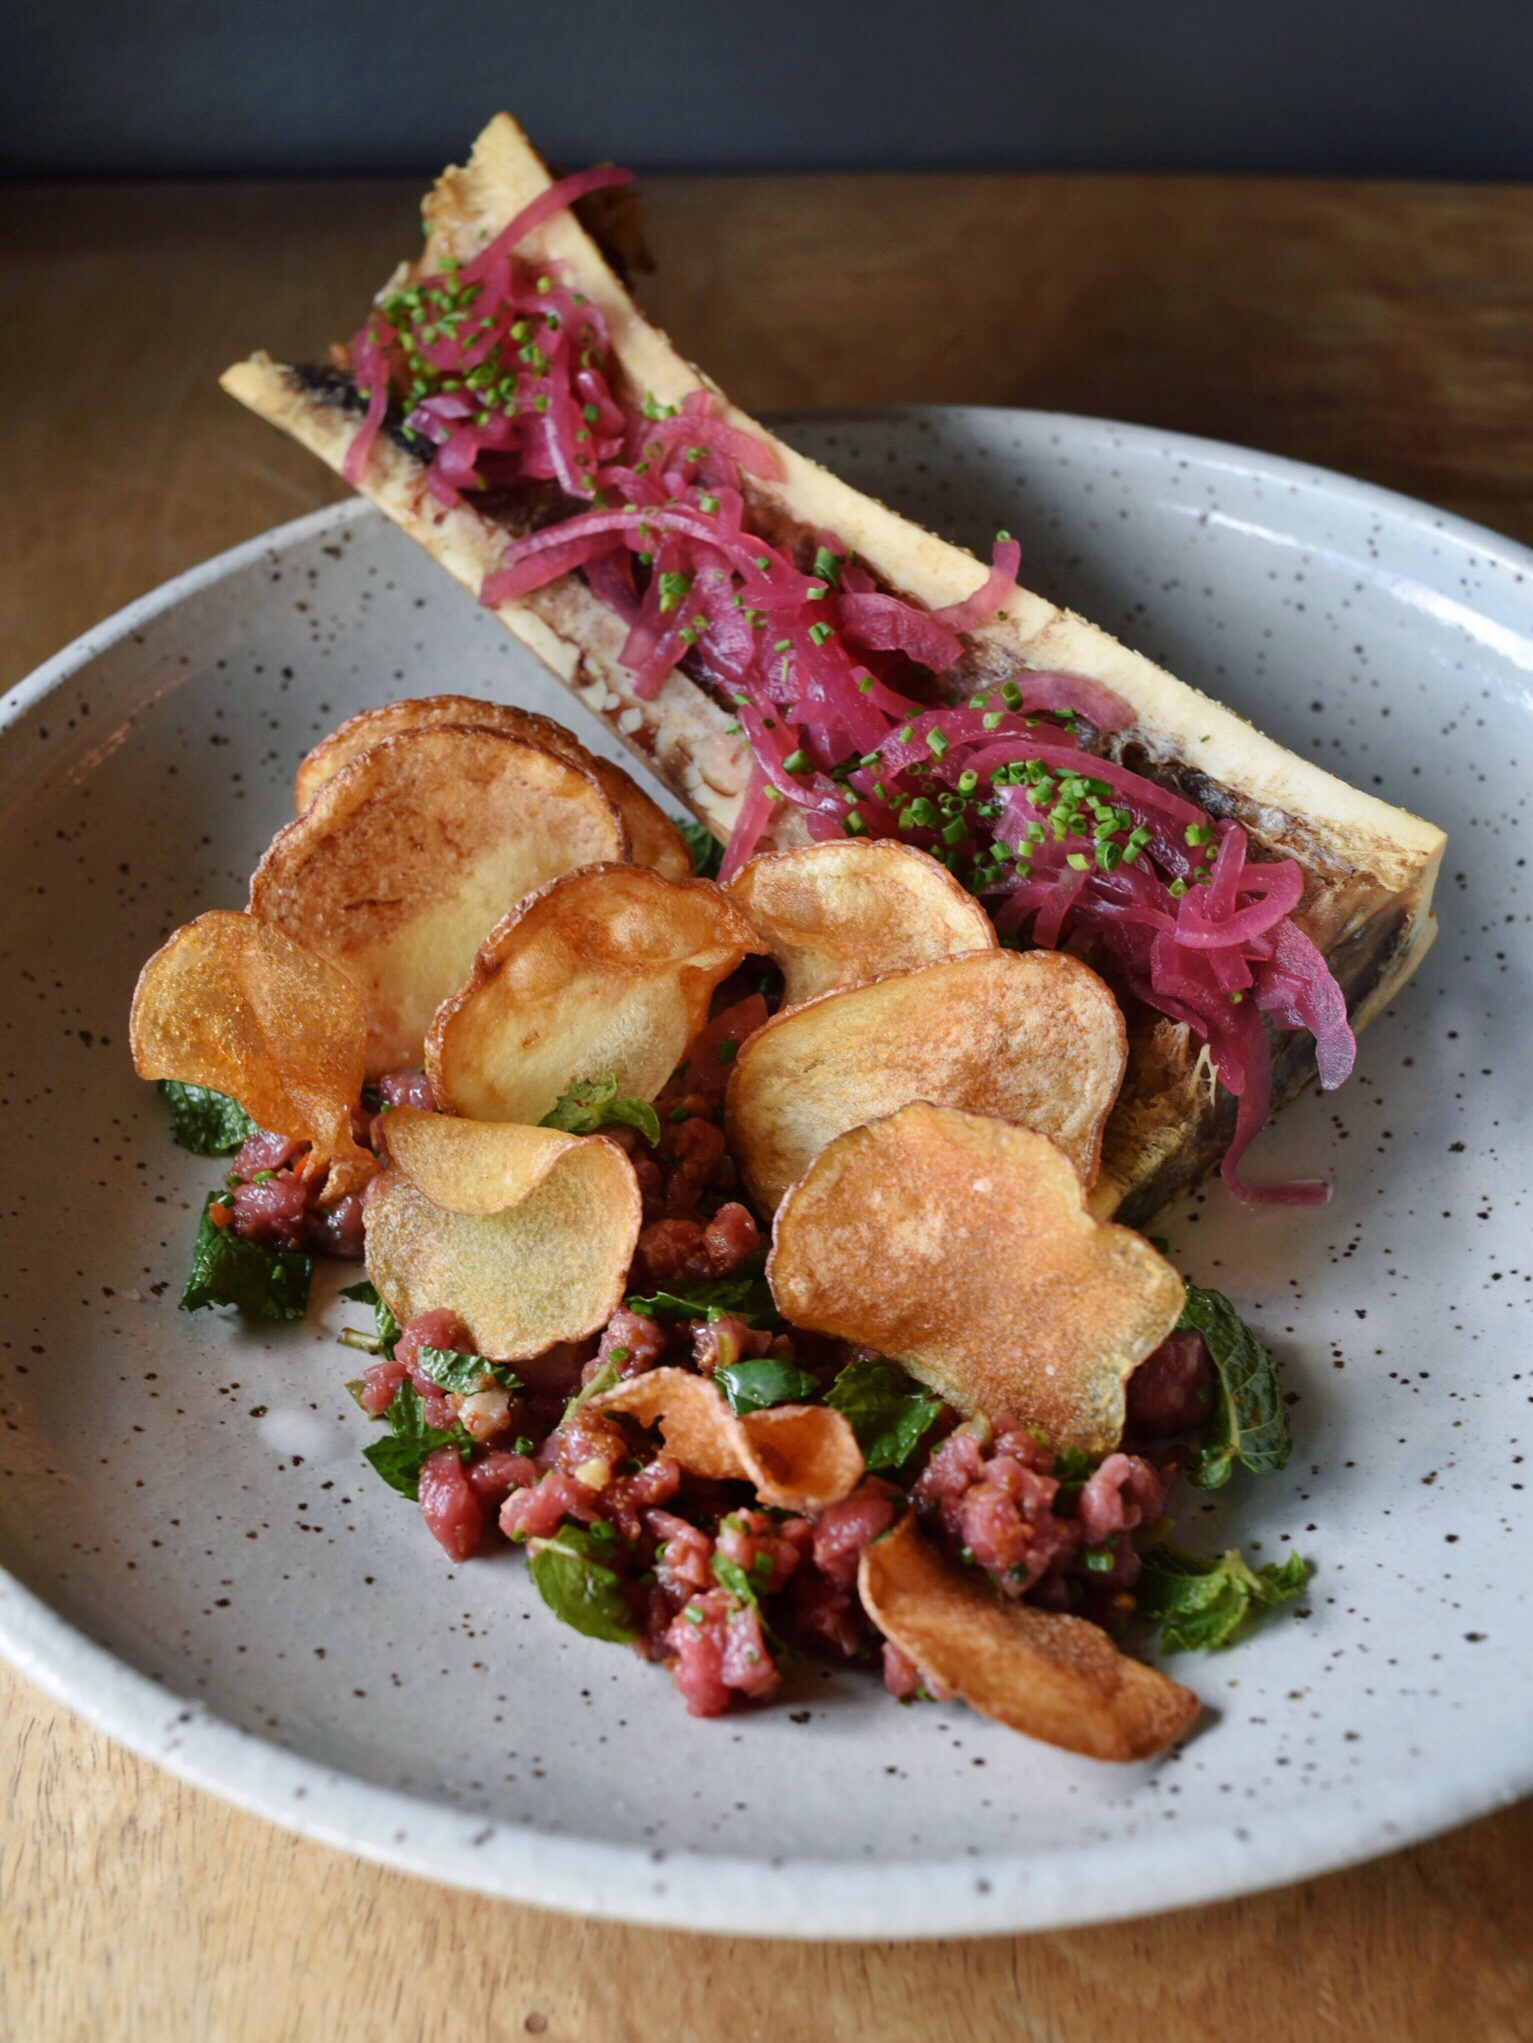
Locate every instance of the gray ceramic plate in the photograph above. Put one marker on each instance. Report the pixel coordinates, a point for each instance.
(199, 1560)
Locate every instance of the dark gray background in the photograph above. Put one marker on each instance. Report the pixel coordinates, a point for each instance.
(161, 87)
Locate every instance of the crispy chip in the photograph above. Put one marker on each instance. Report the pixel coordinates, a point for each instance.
(841, 913)
(1040, 1672)
(610, 969)
(235, 1005)
(1032, 1037)
(472, 1166)
(800, 1457)
(654, 839)
(534, 1247)
(962, 1248)
(408, 856)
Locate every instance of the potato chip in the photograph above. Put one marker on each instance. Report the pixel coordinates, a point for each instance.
(841, 913)
(472, 1166)
(961, 1247)
(534, 1247)
(1040, 1672)
(407, 857)
(654, 839)
(606, 970)
(233, 1004)
(1032, 1037)
(799, 1457)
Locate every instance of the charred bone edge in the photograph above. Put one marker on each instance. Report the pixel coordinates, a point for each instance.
(1369, 868)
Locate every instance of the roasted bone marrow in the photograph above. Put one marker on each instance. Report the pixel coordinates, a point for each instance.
(1156, 793)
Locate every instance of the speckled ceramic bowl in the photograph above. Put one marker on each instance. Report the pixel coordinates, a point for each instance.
(200, 1561)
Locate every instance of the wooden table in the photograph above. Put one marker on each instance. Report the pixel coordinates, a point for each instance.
(1383, 329)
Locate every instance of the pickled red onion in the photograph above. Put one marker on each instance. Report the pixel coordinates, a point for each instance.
(565, 192)
(997, 589)
(507, 382)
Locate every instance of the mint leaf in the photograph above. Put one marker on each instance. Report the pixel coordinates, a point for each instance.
(227, 1269)
(707, 852)
(889, 1414)
(608, 1377)
(747, 1296)
(401, 1455)
(1249, 1423)
(386, 1328)
(754, 1385)
(593, 1103)
(207, 1123)
(1202, 1603)
(571, 1574)
(451, 1369)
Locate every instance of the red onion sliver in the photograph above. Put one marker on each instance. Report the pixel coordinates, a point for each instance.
(997, 589)
(564, 193)
(888, 624)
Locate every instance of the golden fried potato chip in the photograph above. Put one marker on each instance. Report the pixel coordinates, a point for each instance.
(1040, 1672)
(1032, 1037)
(609, 969)
(407, 857)
(841, 913)
(654, 839)
(962, 1248)
(235, 1005)
(533, 1247)
(800, 1457)
(472, 1166)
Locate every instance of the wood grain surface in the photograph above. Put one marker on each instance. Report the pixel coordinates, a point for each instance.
(1382, 329)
